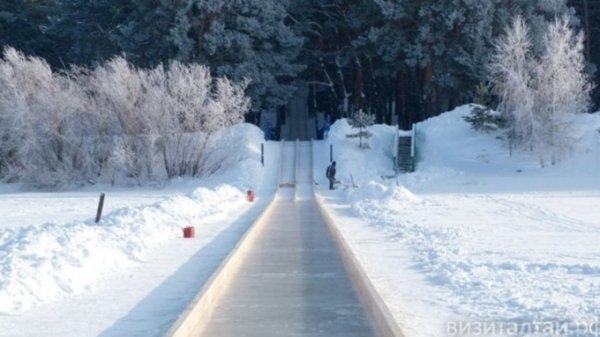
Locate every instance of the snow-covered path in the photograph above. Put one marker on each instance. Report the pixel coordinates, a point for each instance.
(304, 180)
(287, 174)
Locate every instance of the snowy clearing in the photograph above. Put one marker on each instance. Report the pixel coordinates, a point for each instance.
(475, 236)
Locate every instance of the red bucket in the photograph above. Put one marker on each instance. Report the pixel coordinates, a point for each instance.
(189, 232)
(250, 195)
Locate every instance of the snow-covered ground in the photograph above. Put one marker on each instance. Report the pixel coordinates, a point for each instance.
(476, 238)
(77, 205)
(133, 273)
(476, 242)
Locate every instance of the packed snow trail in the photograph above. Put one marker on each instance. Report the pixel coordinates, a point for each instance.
(287, 176)
(293, 281)
(304, 173)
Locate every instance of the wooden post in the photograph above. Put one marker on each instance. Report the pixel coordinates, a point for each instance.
(100, 206)
(330, 153)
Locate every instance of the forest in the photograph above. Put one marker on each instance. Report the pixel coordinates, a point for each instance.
(413, 59)
(123, 90)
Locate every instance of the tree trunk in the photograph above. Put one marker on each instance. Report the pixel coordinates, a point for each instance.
(358, 86)
(203, 27)
(428, 90)
(588, 33)
(405, 117)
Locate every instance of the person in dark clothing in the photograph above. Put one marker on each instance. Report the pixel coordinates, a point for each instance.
(330, 173)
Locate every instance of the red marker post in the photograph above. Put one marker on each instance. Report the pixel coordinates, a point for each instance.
(189, 232)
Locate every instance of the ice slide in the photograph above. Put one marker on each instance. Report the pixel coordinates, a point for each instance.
(289, 276)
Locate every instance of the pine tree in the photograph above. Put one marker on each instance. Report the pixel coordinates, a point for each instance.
(24, 25)
(362, 120)
(410, 59)
(145, 36)
(339, 69)
(244, 40)
(86, 27)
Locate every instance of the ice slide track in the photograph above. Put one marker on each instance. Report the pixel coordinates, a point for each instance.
(291, 274)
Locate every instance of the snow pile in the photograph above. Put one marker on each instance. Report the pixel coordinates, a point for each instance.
(448, 147)
(585, 156)
(451, 154)
(43, 263)
(477, 234)
(361, 165)
(447, 141)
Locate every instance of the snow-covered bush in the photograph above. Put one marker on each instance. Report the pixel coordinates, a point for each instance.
(109, 123)
(40, 109)
(185, 154)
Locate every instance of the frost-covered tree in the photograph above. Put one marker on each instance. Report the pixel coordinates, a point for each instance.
(41, 109)
(137, 100)
(563, 87)
(510, 74)
(540, 92)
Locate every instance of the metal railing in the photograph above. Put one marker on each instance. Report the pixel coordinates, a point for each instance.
(413, 150)
(296, 163)
(395, 152)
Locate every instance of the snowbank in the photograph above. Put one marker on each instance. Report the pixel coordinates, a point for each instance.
(41, 263)
(448, 141)
(361, 165)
